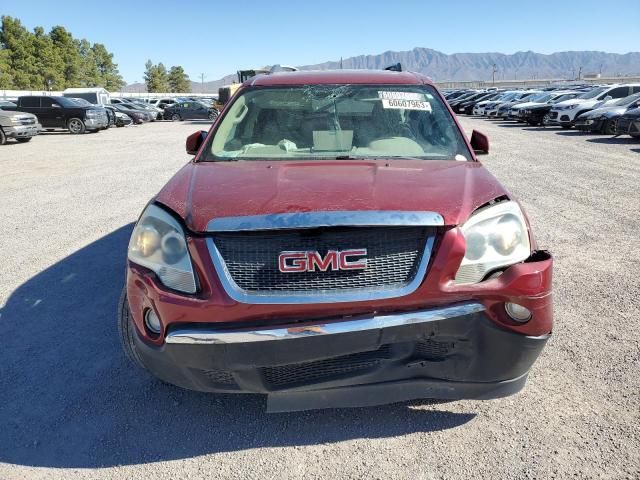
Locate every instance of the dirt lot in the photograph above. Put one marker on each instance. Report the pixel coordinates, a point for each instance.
(72, 407)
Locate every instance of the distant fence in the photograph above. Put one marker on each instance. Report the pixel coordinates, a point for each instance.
(530, 83)
(21, 93)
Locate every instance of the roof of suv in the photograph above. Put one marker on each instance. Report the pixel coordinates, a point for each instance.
(321, 77)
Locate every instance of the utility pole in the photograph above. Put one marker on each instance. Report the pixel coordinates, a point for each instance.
(202, 75)
(493, 74)
(580, 72)
(340, 63)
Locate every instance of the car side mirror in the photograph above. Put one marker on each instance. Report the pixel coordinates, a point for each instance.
(195, 141)
(55, 105)
(479, 143)
(607, 98)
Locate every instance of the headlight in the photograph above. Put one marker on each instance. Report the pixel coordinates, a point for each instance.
(91, 114)
(570, 107)
(496, 237)
(158, 243)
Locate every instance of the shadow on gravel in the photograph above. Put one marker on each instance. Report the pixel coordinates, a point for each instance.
(70, 399)
(198, 122)
(572, 133)
(615, 140)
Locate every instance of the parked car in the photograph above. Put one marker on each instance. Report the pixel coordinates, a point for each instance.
(603, 119)
(565, 113)
(461, 103)
(86, 103)
(95, 95)
(189, 111)
(468, 106)
(335, 242)
(518, 111)
(19, 125)
(7, 104)
(162, 103)
(137, 116)
(629, 123)
(120, 119)
(491, 108)
(539, 114)
(504, 108)
(61, 112)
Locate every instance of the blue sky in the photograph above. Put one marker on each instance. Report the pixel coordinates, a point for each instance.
(210, 37)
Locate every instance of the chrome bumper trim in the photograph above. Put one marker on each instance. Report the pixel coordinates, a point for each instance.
(357, 218)
(375, 322)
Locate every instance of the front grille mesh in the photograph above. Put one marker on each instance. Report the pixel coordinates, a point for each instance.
(325, 369)
(393, 258)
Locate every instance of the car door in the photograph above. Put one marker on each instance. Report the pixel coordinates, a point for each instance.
(200, 111)
(52, 113)
(618, 92)
(30, 105)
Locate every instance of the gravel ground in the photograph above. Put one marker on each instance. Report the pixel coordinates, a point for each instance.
(71, 407)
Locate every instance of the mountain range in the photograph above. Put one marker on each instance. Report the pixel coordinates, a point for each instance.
(473, 66)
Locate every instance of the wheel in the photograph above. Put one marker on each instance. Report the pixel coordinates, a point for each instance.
(546, 119)
(213, 115)
(3, 137)
(24, 139)
(76, 126)
(609, 127)
(175, 117)
(126, 329)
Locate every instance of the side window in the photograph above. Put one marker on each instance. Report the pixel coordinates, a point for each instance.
(48, 103)
(185, 105)
(31, 102)
(619, 92)
(635, 89)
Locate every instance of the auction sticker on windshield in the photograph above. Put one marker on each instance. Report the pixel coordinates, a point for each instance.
(404, 101)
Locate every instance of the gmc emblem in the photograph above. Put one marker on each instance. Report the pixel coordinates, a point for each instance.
(311, 261)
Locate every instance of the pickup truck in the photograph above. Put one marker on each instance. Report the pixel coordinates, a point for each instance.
(335, 242)
(21, 126)
(61, 112)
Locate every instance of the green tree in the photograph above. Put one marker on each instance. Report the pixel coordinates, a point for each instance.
(179, 80)
(109, 76)
(68, 51)
(88, 72)
(18, 41)
(49, 63)
(6, 78)
(156, 77)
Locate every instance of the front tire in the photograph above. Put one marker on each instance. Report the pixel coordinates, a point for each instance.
(175, 117)
(126, 329)
(213, 115)
(3, 137)
(609, 127)
(76, 126)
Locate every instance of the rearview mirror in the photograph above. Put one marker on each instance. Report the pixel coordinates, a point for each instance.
(479, 143)
(195, 141)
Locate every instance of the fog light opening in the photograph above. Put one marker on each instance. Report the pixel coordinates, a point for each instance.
(517, 312)
(152, 322)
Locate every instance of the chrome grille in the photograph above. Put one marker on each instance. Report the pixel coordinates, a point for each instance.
(394, 256)
(27, 120)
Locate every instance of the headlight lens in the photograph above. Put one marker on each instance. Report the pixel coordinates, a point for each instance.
(158, 243)
(569, 107)
(496, 237)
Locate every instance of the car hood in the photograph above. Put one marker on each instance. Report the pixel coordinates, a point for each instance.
(598, 112)
(574, 101)
(15, 114)
(203, 191)
(632, 113)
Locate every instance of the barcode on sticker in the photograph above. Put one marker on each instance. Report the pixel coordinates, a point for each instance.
(401, 96)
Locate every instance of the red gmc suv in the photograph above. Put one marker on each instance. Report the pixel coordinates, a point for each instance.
(335, 242)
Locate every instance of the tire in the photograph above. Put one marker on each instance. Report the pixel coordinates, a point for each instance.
(3, 137)
(24, 140)
(213, 115)
(175, 117)
(126, 331)
(76, 126)
(609, 127)
(546, 119)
